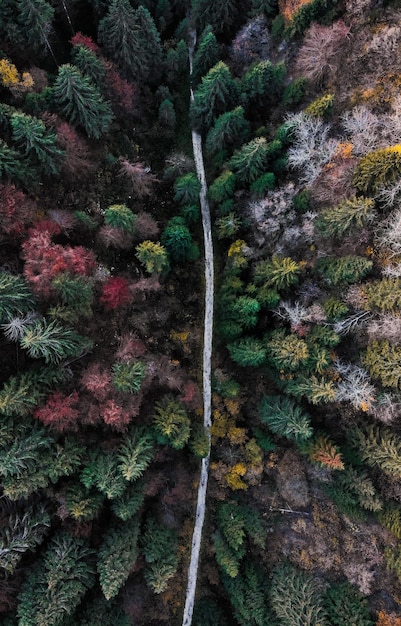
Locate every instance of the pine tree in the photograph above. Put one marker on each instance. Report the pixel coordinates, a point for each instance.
(16, 299)
(346, 605)
(220, 14)
(279, 272)
(57, 582)
(131, 39)
(262, 84)
(76, 294)
(317, 390)
(129, 503)
(22, 533)
(35, 18)
(346, 216)
(384, 294)
(248, 596)
(206, 55)
(135, 454)
(344, 269)
(217, 93)
(38, 143)
(102, 471)
(287, 352)
(128, 377)
(13, 168)
(187, 189)
(177, 240)
(377, 169)
(153, 257)
(81, 503)
(383, 361)
(223, 187)
(53, 342)
(247, 352)
(285, 418)
(253, 159)
(159, 546)
(381, 448)
(79, 99)
(89, 65)
(117, 555)
(296, 598)
(171, 422)
(22, 392)
(229, 131)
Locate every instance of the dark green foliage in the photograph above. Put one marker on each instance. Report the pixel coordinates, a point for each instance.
(207, 612)
(117, 555)
(131, 39)
(334, 309)
(129, 502)
(177, 65)
(37, 143)
(247, 351)
(88, 64)
(285, 418)
(220, 14)
(323, 336)
(159, 546)
(35, 18)
(23, 392)
(187, 189)
(171, 422)
(228, 226)
(345, 501)
(345, 605)
(16, 299)
(227, 558)
(302, 200)
(128, 376)
(12, 167)
(223, 187)
(37, 103)
(296, 599)
(216, 94)
(359, 485)
(206, 55)
(53, 342)
(102, 471)
(230, 130)
(268, 7)
(167, 115)
(294, 92)
(252, 160)
(345, 269)
(22, 533)
(120, 216)
(323, 11)
(76, 293)
(248, 596)
(177, 240)
(57, 582)
(80, 100)
(262, 84)
(390, 517)
(317, 390)
(111, 612)
(82, 504)
(263, 184)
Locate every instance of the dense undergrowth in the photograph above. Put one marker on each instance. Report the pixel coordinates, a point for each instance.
(101, 312)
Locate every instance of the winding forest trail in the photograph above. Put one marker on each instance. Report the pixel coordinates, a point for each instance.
(207, 358)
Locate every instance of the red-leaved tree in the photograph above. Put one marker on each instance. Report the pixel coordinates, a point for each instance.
(84, 40)
(114, 415)
(60, 411)
(45, 259)
(97, 380)
(17, 211)
(116, 293)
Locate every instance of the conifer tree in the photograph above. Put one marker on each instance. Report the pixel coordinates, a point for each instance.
(187, 189)
(279, 272)
(117, 555)
(230, 130)
(248, 596)
(13, 168)
(285, 418)
(177, 240)
(53, 342)
(57, 582)
(252, 160)
(346, 216)
(35, 19)
(15, 297)
(159, 546)
(247, 351)
(217, 93)
(220, 14)
(296, 598)
(81, 102)
(346, 605)
(381, 448)
(128, 377)
(171, 422)
(135, 454)
(383, 361)
(153, 256)
(344, 269)
(262, 84)
(38, 143)
(22, 533)
(88, 64)
(102, 471)
(206, 55)
(287, 352)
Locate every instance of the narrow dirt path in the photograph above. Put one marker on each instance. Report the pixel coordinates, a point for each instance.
(207, 357)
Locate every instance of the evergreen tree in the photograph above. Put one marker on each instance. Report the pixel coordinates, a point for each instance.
(217, 93)
(296, 598)
(377, 169)
(79, 99)
(159, 546)
(344, 269)
(230, 130)
(102, 471)
(177, 240)
(262, 84)
(89, 65)
(248, 596)
(171, 422)
(379, 447)
(279, 272)
(317, 390)
(247, 351)
(285, 418)
(117, 555)
(76, 294)
(128, 377)
(13, 168)
(206, 55)
(57, 582)
(135, 454)
(384, 294)
(383, 361)
(53, 342)
(22, 533)
(220, 14)
(223, 187)
(38, 143)
(35, 20)
(287, 352)
(16, 299)
(346, 216)
(23, 392)
(252, 160)
(187, 189)
(346, 605)
(131, 39)
(129, 503)
(120, 216)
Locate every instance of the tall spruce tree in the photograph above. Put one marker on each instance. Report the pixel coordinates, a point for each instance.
(79, 99)
(35, 21)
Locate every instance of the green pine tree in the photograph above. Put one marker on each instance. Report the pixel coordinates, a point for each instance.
(285, 418)
(135, 454)
(346, 216)
(37, 143)
(21, 533)
(35, 19)
(16, 298)
(206, 55)
(53, 342)
(216, 94)
(81, 102)
(88, 64)
(229, 131)
(344, 269)
(153, 256)
(383, 361)
(253, 159)
(346, 605)
(247, 352)
(171, 422)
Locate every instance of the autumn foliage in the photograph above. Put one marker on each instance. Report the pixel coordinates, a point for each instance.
(16, 212)
(60, 411)
(116, 293)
